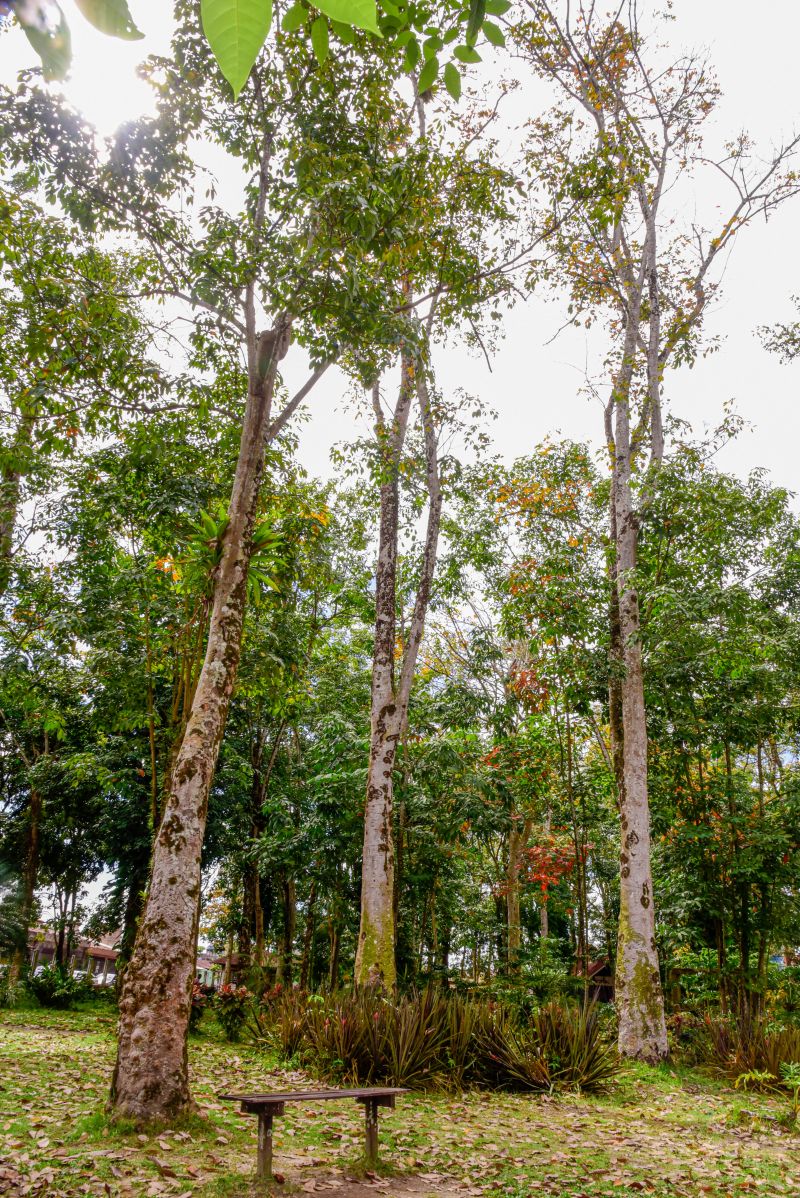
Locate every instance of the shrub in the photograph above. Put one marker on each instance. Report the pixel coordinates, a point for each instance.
(231, 1007)
(752, 1045)
(578, 1054)
(10, 992)
(289, 1021)
(344, 1038)
(55, 987)
(686, 1032)
(435, 1039)
(460, 1048)
(507, 1056)
(199, 1004)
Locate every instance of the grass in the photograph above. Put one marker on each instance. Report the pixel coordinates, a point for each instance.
(668, 1131)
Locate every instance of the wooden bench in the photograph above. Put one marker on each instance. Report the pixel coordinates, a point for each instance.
(268, 1106)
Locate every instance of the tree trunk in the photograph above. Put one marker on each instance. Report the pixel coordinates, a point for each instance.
(308, 936)
(640, 1002)
(150, 1078)
(517, 840)
(245, 937)
(375, 956)
(258, 930)
(289, 929)
(11, 490)
(333, 969)
(134, 905)
(30, 870)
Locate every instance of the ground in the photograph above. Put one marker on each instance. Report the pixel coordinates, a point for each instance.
(663, 1132)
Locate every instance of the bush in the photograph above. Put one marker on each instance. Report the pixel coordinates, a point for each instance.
(199, 1004)
(737, 1047)
(571, 1040)
(280, 1022)
(686, 1032)
(231, 1007)
(506, 1055)
(10, 992)
(439, 1040)
(54, 986)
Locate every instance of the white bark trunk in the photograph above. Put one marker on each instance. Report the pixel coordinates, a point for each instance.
(375, 956)
(640, 1003)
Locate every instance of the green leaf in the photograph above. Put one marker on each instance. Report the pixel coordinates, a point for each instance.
(452, 81)
(236, 31)
(412, 55)
(344, 32)
(295, 18)
(361, 13)
(493, 33)
(319, 39)
(477, 11)
(466, 54)
(53, 47)
(112, 17)
(497, 8)
(427, 75)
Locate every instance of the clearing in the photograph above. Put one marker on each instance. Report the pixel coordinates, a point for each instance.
(660, 1132)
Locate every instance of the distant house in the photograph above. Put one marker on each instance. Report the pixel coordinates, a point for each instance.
(600, 979)
(207, 971)
(96, 957)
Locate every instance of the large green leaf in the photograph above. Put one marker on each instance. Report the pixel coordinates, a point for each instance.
(319, 39)
(477, 11)
(54, 46)
(236, 31)
(427, 75)
(361, 13)
(295, 18)
(112, 17)
(452, 81)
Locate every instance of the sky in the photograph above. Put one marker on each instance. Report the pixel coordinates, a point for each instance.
(535, 382)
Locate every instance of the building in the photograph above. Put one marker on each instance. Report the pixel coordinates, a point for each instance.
(97, 958)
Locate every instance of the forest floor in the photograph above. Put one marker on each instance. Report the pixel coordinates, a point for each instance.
(664, 1132)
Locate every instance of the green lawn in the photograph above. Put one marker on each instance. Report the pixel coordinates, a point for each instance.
(661, 1132)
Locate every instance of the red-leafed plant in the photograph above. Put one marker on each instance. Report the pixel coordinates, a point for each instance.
(231, 1007)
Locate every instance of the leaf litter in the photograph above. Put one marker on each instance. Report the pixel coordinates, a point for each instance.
(654, 1136)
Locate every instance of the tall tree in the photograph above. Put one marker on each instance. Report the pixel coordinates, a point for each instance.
(326, 195)
(609, 161)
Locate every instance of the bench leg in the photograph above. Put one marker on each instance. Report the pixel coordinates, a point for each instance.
(265, 1145)
(371, 1129)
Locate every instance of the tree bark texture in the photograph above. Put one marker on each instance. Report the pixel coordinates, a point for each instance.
(375, 955)
(150, 1078)
(11, 492)
(30, 871)
(640, 1003)
(308, 936)
(518, 837)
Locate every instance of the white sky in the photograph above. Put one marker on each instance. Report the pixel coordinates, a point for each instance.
(535, 384)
